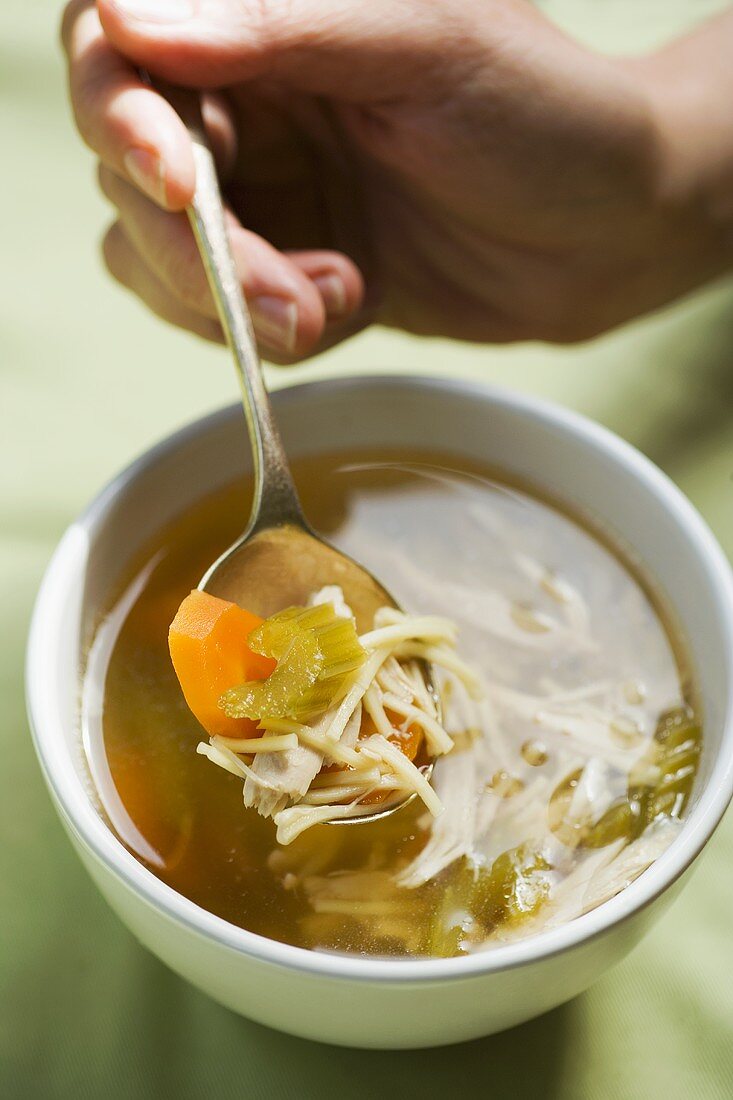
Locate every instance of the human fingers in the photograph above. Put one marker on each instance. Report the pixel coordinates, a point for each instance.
(287, 309)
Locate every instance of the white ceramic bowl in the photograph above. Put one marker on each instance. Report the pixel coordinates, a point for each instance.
(351, 1000)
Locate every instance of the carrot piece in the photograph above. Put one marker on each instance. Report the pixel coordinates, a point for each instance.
(208, 646)
(409, 744)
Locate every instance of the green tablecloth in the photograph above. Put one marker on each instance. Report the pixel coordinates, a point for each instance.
(87, 380)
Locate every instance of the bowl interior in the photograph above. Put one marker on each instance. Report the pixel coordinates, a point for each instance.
(574, 460)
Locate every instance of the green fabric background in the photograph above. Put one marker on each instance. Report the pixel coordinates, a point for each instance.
(87, 380)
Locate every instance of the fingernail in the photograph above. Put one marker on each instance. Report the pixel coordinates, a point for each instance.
(145, 169)
(156, 11)
(276, 321)
(333, 292)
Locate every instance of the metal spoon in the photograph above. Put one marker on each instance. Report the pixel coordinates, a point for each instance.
(279, 560)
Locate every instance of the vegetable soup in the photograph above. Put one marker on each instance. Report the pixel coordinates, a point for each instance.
(558, 711)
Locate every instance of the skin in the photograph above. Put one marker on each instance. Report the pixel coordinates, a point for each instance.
(452, 167)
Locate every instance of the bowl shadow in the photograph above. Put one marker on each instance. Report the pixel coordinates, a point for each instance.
(184, 1030)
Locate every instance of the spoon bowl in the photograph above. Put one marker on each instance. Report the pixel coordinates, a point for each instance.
(282, 566)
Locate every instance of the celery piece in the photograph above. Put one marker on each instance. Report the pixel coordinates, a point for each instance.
(317, 654)
(296, 672)
(675, 726)
(477, 899)
(448, 936)
(624, 819)
(675, 752)
(678, 745)
(515, 886)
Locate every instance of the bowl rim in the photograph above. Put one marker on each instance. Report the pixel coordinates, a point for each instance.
(75, 806)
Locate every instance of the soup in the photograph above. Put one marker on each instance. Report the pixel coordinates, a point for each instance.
(567, 777)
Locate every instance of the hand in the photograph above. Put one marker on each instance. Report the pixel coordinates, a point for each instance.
(454, 167)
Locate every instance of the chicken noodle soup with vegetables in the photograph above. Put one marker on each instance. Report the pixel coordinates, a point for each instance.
(557, 710)
(333, 723)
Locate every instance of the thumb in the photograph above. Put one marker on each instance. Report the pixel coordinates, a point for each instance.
(346, 49)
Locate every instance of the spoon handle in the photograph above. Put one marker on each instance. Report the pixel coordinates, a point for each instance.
(275, 497)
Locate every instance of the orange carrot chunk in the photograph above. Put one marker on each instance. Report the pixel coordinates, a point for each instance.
(208, 647)
(408, 743)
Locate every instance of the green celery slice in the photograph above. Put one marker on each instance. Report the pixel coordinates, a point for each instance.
(317, 654)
